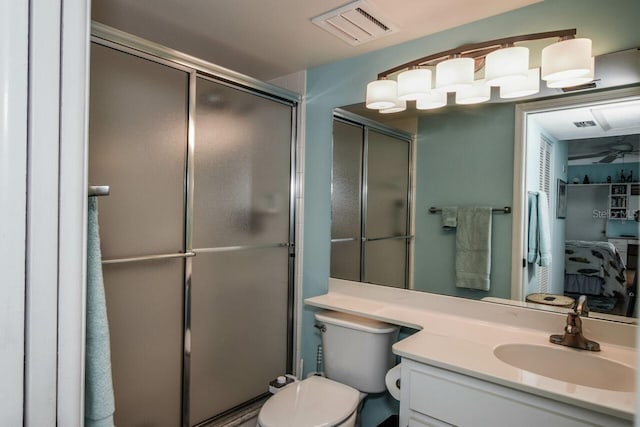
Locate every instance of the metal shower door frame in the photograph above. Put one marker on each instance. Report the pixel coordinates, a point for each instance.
(197, 68)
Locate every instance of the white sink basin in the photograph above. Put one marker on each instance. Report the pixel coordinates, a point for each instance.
(572, 366)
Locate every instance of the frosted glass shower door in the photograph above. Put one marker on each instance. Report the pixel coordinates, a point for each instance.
(138, 126)
(386, 220)
(240, 288)
(346, 201)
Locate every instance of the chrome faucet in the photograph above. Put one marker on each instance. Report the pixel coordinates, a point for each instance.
(573, 330)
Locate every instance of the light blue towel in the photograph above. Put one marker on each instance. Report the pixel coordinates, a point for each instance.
(539, 233)
(99, 400)
(449, 217)
(544, 231)
(473, 248)
(532, 235)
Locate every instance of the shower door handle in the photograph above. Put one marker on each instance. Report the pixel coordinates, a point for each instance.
(149, 258)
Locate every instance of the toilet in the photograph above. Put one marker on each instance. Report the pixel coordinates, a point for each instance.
(357, 355)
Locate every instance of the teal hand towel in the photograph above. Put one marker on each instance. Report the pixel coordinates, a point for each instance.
(99, 399)
(473, 248)
(449, 217)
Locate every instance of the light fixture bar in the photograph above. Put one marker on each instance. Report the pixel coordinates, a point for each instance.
(474, 50)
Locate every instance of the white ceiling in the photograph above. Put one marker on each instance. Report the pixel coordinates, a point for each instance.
(271, 38)
(560, 123)
(596, 140)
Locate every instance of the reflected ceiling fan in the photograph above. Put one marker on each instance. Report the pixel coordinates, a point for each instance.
(615, 151)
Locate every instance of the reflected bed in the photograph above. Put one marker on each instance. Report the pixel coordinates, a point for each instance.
(595, 269)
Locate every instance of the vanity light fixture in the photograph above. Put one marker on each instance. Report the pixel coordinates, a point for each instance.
(506, 65)
(574, 80)
(432, 101)
(475, 94)
(520, 88)
(565, 63)
(454, 74)
(382, 94)
(398, 107)
(414, 83)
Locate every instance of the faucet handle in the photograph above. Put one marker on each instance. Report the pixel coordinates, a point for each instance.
(574, 324)
(581, 308)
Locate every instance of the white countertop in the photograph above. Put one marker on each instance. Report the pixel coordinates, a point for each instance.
(460, 335)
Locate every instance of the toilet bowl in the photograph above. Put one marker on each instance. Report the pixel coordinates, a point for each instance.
(357, 355)
(314, 402)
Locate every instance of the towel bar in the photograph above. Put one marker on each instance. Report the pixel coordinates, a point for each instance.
(98, 190)
(506, 209)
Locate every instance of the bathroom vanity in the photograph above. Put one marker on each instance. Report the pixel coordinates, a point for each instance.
(432, 396)
(479, 364)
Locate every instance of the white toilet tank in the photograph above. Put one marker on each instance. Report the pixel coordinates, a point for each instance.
(356, 350)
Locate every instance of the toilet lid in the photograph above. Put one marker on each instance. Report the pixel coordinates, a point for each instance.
(314, 402)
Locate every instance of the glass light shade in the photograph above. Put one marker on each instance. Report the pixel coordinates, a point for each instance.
(567, 59)
(506, 65)
(381, 94)
(520, 88)
(401, 105)
(454, 74)
(574, 81)
(412, 84)
(433, 100)
(478, 92)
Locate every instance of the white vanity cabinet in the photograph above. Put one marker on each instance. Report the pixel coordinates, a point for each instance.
(432, 396)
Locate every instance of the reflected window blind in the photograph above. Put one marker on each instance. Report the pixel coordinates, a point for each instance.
(544, 184)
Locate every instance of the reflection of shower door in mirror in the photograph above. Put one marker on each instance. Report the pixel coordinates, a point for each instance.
(223, 190)
(370, 204)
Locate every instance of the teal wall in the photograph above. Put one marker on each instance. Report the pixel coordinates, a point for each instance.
(623, 228)
(609, 24)
(464, 157)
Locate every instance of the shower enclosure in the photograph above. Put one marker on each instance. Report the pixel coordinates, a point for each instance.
(197, 232)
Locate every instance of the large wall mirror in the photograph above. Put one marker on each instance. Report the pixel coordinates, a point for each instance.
(581, 157)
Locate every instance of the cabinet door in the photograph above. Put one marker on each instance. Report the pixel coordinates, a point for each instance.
(419, 420)
(431, 395)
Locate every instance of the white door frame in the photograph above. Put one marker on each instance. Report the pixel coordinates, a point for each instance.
(14, 49)
(44, 76)
(519, 168)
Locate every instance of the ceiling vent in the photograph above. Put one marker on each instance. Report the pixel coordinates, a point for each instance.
(355, 23)
(584, 124)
